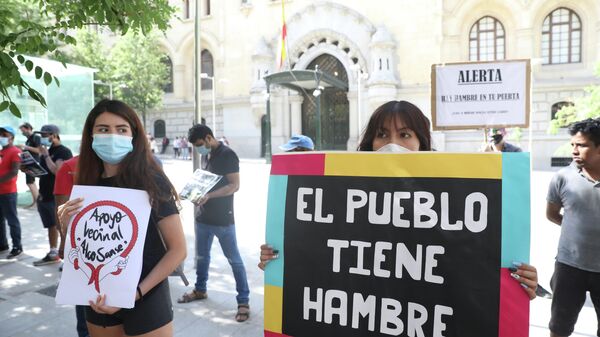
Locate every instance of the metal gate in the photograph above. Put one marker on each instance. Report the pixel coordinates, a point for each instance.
(335, 108)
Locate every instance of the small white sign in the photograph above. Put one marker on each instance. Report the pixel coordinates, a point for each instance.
(480, 95)
(104, 246)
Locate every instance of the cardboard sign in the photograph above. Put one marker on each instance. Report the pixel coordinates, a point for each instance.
(480, 95)
(104, 246)
(411, 244)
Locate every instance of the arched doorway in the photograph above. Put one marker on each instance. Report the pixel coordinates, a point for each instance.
(334, 107)
(159, 128)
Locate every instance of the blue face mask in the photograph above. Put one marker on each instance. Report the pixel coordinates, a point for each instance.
(203, 150)
(3, 141)
(112, 148)
(45, 141)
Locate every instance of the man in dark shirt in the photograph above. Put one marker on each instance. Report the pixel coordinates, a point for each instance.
(215, 218)
(497, 143)
(52, 156)
(31, 145)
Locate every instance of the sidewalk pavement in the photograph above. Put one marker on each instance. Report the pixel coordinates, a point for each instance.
(27, 307)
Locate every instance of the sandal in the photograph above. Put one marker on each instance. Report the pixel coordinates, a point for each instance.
(193, 295)
(243, 313)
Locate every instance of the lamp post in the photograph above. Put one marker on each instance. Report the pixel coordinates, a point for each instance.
(212, 80)
(109, 85)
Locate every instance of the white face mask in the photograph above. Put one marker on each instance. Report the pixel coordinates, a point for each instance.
(391, 147)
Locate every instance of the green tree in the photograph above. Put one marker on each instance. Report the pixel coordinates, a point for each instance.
(90, 52)
(139, 70)
(27, 31)
(585, 107)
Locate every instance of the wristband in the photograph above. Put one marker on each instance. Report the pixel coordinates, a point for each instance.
(139, 291)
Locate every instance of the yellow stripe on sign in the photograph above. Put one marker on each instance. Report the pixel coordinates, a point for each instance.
(273, 308)
(415, 164)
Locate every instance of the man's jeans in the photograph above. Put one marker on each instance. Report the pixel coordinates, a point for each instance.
(8, 211)
(226, 235)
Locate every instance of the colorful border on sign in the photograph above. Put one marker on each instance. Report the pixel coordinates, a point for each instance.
(512, 168)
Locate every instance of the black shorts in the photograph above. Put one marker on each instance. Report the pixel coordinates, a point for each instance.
(29, 179)
(47, 210)
(152, 312)
(570, 286)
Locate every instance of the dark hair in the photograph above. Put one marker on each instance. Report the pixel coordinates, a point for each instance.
(26, 125)
(412, 117)
(588, 127)
(199, 131)
(136, 167)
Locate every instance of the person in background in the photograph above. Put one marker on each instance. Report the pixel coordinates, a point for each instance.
(31, 145)
(183, 146)
(216, 218)
(115, 153)
(497, 143)
(403, 124)
(575, 190)
(298, 143)
(165, 145)
(176, 145)
(9, 169)
(153, 145)
(52, 156)
(62, 190)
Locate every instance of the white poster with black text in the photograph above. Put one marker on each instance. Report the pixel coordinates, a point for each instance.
(479, 95)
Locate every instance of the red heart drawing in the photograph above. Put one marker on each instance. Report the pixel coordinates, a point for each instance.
(95, 270)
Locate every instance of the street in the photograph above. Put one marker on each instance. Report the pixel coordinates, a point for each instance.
(27, 307)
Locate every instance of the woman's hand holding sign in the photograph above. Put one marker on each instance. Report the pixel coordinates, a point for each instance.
(100, 306)
(527, 276)
(66, 211)
(267, 253)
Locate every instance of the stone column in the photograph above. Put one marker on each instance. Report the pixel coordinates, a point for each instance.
(296, 113)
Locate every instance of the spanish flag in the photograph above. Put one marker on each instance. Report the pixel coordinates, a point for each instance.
(282, 52)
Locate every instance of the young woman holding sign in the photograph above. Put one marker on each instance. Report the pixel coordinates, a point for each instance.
(399, 126)
(115, 153)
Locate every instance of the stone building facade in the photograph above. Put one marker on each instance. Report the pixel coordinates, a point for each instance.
(383, 50)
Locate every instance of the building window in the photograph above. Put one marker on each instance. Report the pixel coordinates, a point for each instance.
(207, 67)
(486, 40)
(561, 37)
(557, 106)
(207, 7)
(159, 129)
(168, 88)
(186, 9)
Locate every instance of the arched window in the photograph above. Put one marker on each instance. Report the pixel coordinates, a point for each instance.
(561, 37)
(168, 88)
(208, 68)
(186, 9)
(207, 7)
(486, 40)
(557, 106)
(159, 128)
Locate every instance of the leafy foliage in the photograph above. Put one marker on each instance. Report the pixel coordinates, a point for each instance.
(134, 68)
(585, 107)
(90, 52)
(139, 69)
(40, 27)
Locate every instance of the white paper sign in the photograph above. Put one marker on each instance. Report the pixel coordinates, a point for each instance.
(480, 95)
(104, 246)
